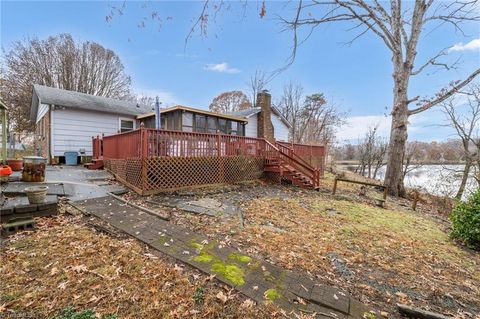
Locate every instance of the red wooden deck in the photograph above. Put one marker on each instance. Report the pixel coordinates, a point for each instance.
(151, 161)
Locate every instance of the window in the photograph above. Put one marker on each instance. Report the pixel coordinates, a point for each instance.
(241, 129)
(222, 126)
(200, 123)
(187, 122)
(126, 125)
(212, 124)
(232, 127)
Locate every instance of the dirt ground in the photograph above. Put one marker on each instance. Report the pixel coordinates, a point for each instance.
(67, 263)
(381, 256)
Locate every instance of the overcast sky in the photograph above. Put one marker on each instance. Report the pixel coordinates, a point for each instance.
(356, 77)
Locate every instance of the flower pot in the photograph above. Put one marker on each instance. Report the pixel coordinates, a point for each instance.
(5, 172)
(15, 164)
(36, 194)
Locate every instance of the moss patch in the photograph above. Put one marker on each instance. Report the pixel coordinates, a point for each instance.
(232, 273)
(272, 294)
(230, 270)
(196, 245)
(204, 257)
(162, 240)
(240, 258)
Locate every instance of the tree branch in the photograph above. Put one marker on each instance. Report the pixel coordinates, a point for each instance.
(433, 61)
(442, 96)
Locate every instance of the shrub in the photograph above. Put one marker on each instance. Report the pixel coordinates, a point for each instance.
(466, 221)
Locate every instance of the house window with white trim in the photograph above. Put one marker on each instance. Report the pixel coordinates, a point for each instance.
(127, 125)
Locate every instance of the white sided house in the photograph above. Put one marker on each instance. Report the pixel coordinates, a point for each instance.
(259, 119)
(65, 121)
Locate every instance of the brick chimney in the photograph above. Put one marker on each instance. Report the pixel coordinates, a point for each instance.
(265, 126)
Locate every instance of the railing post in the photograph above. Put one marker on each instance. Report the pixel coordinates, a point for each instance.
(101, 145)
(143, 156)
(221, 160)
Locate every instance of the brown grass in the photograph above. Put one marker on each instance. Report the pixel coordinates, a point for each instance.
(65, 263)
(382, 256)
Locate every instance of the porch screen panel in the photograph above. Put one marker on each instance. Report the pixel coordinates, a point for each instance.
(187, 122)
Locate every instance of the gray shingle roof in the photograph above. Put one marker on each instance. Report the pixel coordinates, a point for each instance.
(247, 112)
(255, 110)
(49, 95)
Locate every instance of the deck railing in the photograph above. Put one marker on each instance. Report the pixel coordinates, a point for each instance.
(124, 145)
(161, 143)
(150, 160)
(314, 155)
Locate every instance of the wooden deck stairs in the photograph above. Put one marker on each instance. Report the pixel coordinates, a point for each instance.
(282, 160)
(96, 163)
(97, 153)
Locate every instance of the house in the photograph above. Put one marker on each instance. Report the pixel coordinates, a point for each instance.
(264, 118)
(66, 120)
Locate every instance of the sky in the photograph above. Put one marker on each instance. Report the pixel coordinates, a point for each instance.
(355, 76)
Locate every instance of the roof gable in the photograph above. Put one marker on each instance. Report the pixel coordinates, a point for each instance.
(255, 110)
(73, 99)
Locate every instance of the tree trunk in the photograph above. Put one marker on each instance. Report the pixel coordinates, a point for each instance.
(463, 183)
(398, 137)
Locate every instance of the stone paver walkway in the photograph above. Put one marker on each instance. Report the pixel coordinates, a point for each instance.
(257, 279)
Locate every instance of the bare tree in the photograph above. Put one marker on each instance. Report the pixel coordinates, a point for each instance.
(320, 119)
(413, 157)
(291, 106)
(258, 82)
(313, 118)
(372, 150)
(400, 29)
(228, 102)
(59, 61)
(467, 128)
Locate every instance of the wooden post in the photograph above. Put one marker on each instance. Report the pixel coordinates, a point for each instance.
(4, 135)
(334, 186)
(143, 156)
(221, 163)
(416, 196)
(385, 193)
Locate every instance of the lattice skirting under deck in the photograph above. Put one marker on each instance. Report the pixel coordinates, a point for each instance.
(157, 174)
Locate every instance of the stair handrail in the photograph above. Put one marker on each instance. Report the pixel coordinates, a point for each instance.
(312, 173)
(292, 153)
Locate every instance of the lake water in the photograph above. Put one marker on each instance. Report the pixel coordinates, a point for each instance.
(442, 180)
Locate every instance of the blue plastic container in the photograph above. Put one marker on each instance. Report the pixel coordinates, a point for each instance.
(71, 158)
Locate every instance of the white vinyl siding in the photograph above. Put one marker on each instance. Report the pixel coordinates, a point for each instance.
(42, 110)
(280, 130)
(72, 130)
(251, 127)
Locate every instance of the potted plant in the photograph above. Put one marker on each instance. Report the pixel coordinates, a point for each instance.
(15, 163)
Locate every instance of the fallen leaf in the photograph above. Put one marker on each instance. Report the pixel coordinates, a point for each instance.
(222, 297)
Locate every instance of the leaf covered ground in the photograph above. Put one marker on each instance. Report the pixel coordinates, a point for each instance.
(66, 264)
(381, 256)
